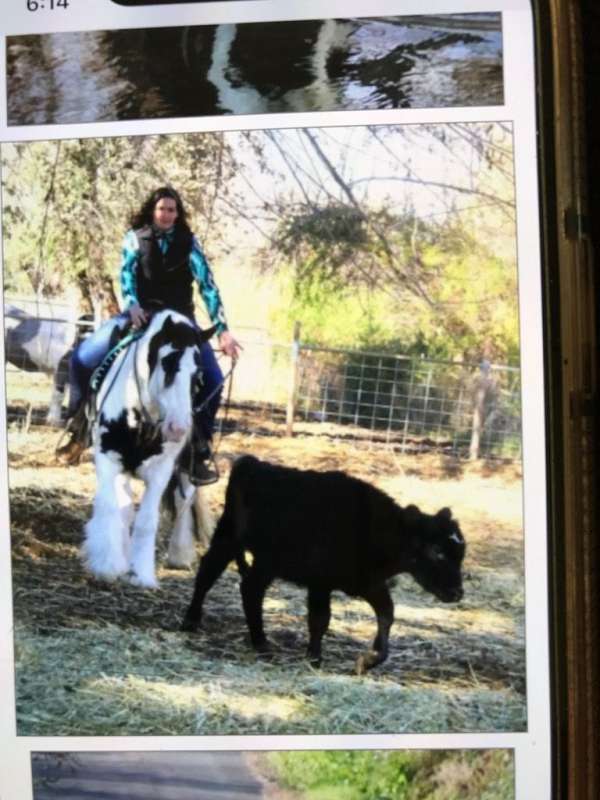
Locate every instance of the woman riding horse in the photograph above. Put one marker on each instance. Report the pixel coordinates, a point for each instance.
(161, 261)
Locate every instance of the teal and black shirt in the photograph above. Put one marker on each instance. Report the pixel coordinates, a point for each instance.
(198, 265)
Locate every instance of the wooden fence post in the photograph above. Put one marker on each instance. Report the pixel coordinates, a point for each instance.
(483, 385)
(293, 387)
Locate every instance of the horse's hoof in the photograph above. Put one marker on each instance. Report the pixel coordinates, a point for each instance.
(149, 582)
(179, 563)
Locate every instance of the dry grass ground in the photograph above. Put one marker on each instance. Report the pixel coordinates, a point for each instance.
(93, 659)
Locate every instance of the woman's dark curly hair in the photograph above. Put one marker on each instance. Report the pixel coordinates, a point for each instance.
(144, 216)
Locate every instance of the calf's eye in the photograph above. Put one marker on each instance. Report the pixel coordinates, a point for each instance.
(436, 553)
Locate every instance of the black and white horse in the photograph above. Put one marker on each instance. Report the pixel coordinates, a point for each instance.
(143, 422)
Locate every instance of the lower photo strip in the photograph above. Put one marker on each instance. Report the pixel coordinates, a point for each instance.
(467, 774)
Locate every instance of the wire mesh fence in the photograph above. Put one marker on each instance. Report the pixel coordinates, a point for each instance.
(412, 402)
(408, 403)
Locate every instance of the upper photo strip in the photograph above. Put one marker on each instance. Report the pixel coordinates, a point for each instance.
(429, 61)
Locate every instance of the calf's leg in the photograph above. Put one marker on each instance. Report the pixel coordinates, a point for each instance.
(380, 600)
(255, 583)
(222, 550)
(319, 614)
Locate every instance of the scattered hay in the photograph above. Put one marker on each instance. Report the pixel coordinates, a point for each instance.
(135, 683)
(94, 659)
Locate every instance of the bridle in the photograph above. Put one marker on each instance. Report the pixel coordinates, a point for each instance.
(152, 425)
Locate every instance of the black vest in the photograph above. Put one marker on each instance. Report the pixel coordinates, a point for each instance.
(165, 279)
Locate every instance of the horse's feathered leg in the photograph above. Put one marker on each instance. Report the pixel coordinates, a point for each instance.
(106, 545)
(59, 380)
(181, 544)
(191, 515)
(155, 474)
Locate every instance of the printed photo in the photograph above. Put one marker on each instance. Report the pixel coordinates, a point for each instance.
(292, 775)
(264, 432)
(309, 65)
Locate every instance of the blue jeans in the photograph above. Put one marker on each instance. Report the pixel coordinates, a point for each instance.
(91, 351)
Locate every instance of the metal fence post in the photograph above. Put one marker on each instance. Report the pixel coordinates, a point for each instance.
(293, 386)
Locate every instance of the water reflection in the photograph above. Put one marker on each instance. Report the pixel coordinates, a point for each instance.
(323, 65)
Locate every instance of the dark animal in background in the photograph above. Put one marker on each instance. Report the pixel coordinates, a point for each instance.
(326, 531)
(37, 344)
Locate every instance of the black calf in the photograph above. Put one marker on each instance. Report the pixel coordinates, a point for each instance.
(326, 531)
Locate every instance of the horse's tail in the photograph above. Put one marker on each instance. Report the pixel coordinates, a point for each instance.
(168, 498)
(203, 521)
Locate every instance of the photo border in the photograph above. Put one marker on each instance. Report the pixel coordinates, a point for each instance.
(569, 330)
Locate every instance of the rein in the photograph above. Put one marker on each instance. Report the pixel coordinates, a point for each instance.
(227, 404)
(102, 371)
(145, 413)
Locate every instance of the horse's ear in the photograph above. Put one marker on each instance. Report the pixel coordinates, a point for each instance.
(204, 336)
(168, 325)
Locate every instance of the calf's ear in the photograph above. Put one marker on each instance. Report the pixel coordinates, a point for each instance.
(412, 513)
(444, 513)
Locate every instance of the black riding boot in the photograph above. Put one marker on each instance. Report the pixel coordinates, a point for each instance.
(78, 427)
(203, 469)
(199, 462)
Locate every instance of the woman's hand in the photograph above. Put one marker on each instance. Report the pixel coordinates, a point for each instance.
(138, 315)
(229, 345)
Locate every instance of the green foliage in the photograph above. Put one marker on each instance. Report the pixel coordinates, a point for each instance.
(67, 204)
(347, 317)
(348, 774)
(329, 239)
(449, 277)
(359, 267)
(397, 775)
(471, 311)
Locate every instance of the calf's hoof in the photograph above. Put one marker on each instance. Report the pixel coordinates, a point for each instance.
(263, 649)
(367, 661)
(313, 659)
(191, 624)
